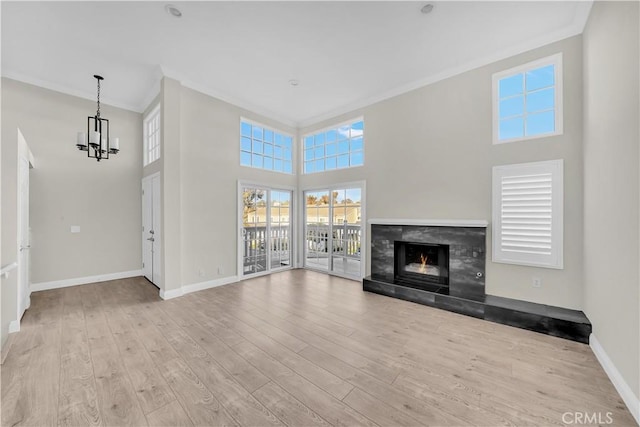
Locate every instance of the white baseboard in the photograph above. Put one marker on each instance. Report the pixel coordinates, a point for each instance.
(173, 293)
(14, 326)
(26, 303)
(195, 287)
(630, 399)
(209, 284)
(43, 286)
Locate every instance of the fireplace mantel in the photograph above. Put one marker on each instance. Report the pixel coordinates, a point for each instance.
(431, 222)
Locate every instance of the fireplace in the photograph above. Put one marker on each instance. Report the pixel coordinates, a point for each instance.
(421, 264)
(441, 263)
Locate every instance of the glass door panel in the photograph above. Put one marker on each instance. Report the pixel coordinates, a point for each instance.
(280, 229)
(346, 231)
(254, 230)
(317, 226)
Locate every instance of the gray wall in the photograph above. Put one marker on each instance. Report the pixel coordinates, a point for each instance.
(67, 188)
(611, 186)
(429, 155)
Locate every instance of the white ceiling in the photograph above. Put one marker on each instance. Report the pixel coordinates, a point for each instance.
(345, 54)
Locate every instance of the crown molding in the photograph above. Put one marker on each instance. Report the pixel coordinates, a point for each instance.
(246, 105)
(21, 77)
(576, 27)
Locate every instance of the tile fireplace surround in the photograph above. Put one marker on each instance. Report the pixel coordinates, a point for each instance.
(466, 291)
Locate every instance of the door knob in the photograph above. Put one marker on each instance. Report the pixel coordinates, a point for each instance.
(151, 239)
(25, 247)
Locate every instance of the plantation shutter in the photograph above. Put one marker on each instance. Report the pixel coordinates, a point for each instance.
(527, 214)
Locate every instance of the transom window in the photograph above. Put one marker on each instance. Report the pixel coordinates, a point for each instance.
(528, 101)
(151, 126)
(334, 148)
(265, 148)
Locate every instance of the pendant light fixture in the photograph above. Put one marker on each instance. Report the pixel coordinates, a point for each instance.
(96, 142)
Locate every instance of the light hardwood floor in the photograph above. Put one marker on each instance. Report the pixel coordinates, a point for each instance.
(296, 348)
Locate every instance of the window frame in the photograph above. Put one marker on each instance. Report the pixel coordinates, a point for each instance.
(554, 167)
(556, 61)
(155, 112)
(335, 126)
(275, 131)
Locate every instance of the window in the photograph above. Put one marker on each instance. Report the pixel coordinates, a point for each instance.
(264, 148)
(334, 148)
(151, 136)
(527, 214)
(527, 101)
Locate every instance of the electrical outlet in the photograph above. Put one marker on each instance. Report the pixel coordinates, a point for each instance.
(220, 271)
(201, 273)
(536, 282)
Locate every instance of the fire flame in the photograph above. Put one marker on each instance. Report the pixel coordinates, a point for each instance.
(423, 263)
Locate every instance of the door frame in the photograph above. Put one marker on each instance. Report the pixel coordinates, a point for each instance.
(363, 225)
(23, 280)
(157, 282)
(293, 250)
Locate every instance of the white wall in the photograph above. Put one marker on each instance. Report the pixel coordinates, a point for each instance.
(9, 221)
(429, 154)
(611, 183)
(171, 184)
(210, 170)
(4, 332)
(200, 169)
(67, 188)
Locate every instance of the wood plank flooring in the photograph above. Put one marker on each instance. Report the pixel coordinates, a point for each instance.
(296, 348)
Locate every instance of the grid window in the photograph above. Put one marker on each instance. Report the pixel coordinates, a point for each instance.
(152, 136)
(335, 148)
(264, 148)
(528, 101)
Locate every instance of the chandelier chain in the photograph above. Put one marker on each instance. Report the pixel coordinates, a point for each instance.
(98, 112)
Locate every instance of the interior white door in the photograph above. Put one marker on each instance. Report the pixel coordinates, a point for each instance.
(156, 231)
(24, 237)
(147, 225)
(151, 260)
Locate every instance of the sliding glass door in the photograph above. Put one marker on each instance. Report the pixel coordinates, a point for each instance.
(333, 230)
(346, 231)
(265, 238)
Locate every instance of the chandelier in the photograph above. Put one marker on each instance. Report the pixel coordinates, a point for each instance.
(96, 142)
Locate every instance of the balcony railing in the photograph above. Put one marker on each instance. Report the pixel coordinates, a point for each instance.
(345, 237)
(346, 240)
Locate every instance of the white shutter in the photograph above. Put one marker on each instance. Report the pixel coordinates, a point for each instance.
(527, 214)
